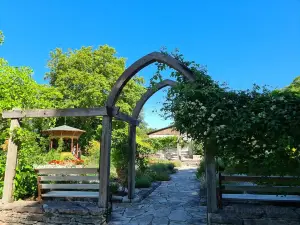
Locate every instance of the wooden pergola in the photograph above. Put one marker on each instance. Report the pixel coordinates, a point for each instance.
(66, 133)
(108, 112)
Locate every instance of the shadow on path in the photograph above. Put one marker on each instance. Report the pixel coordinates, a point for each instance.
(174, 202)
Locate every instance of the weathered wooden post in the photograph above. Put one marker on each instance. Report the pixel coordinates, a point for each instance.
(131, 164)
(210, 164)
(179, 149)
(11, 164)
(105, 161)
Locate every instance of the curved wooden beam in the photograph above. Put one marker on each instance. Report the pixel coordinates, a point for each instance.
(142, 63)
(148, 94)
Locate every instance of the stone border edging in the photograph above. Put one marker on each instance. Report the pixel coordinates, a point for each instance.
(142, 194)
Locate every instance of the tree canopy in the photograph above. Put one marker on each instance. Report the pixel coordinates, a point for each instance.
(79, 78)
(85, 77)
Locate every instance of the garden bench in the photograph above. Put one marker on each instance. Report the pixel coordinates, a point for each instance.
(68, 183)
(258, 188)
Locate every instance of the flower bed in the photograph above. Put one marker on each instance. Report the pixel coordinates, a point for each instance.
(67, 162)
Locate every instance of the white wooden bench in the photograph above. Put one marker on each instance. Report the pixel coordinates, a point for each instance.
(68, 183)
(264, 191)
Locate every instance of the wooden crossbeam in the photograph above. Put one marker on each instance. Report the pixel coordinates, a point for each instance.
(127, 118)
(42, 113)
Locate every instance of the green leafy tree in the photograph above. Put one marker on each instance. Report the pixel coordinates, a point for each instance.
(294, 87)
(19, 90)
(85, 78)
(1, 37)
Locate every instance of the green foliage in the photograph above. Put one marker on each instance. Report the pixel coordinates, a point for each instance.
(144, 149)
(201, 169)
(114, 187)
(159, 167)
(177, 163)
(143, 181)
(294, 87)
(61, 146)
(162, 176)
(197, 148)
(161, 171)
(25, 181)
(254, 131)
(85, 77)
(29, 154)
(19, 90)
(120, 158)
(78, 78)
(1, 37)
(2, 171)
(163, 143)
(219, 168)
(92, 152)
(66, 156)
(53, 154)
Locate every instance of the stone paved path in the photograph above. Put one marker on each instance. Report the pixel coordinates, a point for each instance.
(173, 202)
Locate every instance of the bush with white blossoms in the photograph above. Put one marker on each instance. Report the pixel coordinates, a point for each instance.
(255, 131)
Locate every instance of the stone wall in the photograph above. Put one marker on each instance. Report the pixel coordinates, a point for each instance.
(51, 213)
(250, 214)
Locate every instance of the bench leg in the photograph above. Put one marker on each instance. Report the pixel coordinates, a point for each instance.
(39, 189)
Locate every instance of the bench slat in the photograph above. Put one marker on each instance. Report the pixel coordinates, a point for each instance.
(273, 189)
(255, 197)
(259, 178)
(70, 194)
(68, 171)
(69, 178)
(70, 186)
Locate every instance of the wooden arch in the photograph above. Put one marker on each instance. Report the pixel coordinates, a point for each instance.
(110, 105)
(148, 94)
(142, 63)
(132, 132)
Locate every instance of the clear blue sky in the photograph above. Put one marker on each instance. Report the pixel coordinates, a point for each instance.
(241, 42)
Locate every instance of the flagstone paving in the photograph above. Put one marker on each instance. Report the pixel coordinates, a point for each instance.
(173, 202)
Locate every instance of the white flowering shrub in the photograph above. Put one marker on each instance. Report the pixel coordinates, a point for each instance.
(255, 131)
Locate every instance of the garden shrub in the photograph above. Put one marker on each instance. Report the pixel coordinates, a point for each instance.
(66, 156)
(50, 155)
(144, 149)
(120, 158)
(2, 170)
(25, 181)
(159, 167)
(114, 187)
(170, 166)
(177, 163)
(143, 181)
(201, 168)
(162, 143)
(93, 152)
(113, 172)
(162, 176)
(29, 154)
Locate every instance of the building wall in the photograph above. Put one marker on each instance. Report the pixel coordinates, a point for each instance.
(168, 132)
(160, 135)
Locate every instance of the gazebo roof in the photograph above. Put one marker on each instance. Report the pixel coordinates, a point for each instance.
(64, 128)
(64, 131)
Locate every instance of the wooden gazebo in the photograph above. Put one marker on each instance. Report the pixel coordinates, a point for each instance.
(66, 132)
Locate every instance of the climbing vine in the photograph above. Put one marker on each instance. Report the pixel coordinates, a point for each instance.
(254, 131)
